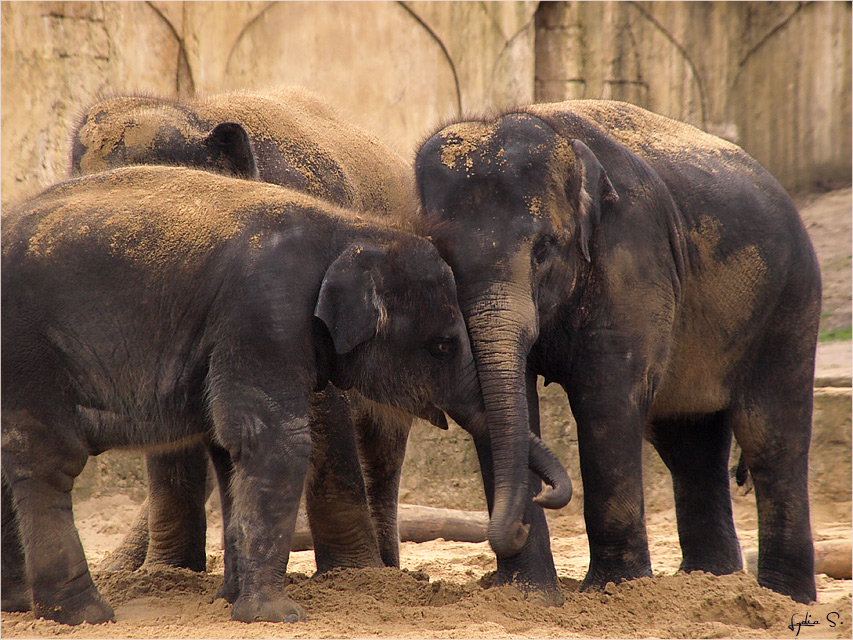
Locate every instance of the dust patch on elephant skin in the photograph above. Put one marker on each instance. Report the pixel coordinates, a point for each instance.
(719, 301)
(649, 134)
(197, 212)
(477, 149)
(461, 140)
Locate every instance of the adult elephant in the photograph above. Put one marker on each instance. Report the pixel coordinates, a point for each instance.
(665, 280)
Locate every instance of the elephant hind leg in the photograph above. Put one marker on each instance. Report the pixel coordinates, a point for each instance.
(15, 588)
(772, 422)
(40, 462)
(696, 450)
(773, 427)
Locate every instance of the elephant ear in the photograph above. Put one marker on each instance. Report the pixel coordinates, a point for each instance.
(229, 148)
(596, 190)
(349, 303)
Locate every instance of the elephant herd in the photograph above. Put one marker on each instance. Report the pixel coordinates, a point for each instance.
(248, 282)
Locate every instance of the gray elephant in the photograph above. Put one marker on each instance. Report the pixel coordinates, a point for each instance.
(292, 137)
(665, 280)
(137, 313)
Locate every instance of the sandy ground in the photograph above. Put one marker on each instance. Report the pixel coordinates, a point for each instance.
(443, 591)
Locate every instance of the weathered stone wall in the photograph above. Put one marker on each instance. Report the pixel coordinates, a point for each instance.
(774, 77)
(397, 68)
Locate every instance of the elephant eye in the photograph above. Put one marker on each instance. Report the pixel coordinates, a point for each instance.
(542, 249)
(441, 348)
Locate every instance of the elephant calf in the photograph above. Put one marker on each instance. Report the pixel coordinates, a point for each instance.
(154, 306)
(664, 279)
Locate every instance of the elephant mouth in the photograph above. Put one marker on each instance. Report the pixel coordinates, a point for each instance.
(433, 415)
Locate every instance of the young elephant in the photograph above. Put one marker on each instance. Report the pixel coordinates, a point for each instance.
(665, 281)
(290, 137)
(153, 306)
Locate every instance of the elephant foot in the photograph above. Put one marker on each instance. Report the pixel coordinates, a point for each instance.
(260, 608)
(539, 596)
(543, 595)
(228, 591)
(117, 561)
(597, 579)
(86, 607)
(193, 561)
(800, 590)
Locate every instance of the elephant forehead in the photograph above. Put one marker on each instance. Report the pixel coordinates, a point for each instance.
(499, 148)
(134, 127)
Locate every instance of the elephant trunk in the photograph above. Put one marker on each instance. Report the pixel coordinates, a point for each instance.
(502, 330)
(557, 492)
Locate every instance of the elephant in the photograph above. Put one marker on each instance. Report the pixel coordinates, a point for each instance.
(665, 280)
(291, 137)
(137, 313)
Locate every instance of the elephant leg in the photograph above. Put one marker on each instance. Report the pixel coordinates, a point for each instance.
(15, 587)
(131, 553)
(610, 444)
(696, 451)
(179, 537)
(223, 467)
(532, 570)
(267, 484)
(335, 494)
(772, 424)
(382, 438)
(40, 466)
(177, 525)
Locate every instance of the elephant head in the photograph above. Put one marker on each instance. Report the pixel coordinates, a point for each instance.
(512, 207)
(393, 325)
(123, 131)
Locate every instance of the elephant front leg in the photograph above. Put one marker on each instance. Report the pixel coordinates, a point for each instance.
(532, 570)
(610, 446)
(270, 462)
(335, 495)
(382, 439)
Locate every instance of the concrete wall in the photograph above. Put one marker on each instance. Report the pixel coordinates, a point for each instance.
(773, 77)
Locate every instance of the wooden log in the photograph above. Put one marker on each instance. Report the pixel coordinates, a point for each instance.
(417, 524)
(832, 557)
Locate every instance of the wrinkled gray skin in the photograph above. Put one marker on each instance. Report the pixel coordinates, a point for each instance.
(666, 282)
(290, 137)
(136, 314)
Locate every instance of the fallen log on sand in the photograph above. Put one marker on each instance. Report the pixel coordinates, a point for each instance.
(418, 524)
(832, 557)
